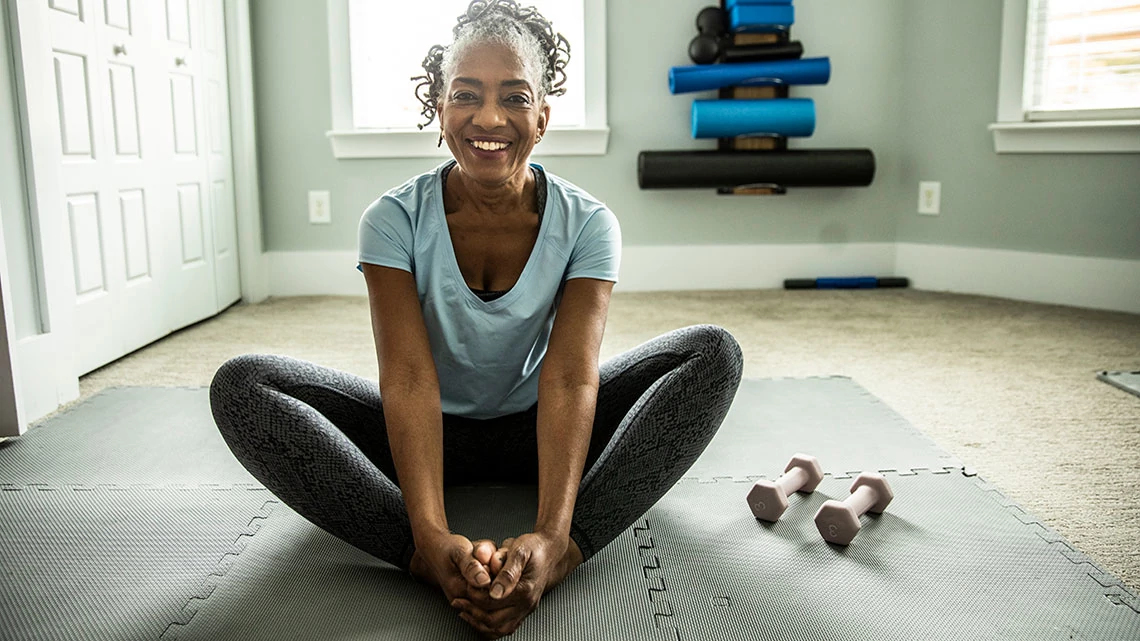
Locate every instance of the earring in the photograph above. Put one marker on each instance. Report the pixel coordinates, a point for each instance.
(538, 140)
(440, 138)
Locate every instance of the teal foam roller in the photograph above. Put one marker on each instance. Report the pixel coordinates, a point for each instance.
(761, 18)
(806, 71)
(732, 4)
(793, 117)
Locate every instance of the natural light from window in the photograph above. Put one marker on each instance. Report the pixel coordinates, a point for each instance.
(388, 42)
(1083, 55)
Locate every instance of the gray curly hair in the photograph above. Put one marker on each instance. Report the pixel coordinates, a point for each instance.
(543, 52)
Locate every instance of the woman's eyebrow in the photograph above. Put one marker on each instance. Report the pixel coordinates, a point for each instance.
(506, 83)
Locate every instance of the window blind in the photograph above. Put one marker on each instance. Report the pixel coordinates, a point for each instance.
(1082, 60)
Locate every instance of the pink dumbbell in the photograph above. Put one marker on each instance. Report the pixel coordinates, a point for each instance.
(838, 521)
(768, 499)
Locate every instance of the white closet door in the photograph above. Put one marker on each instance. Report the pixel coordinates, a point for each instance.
(191, 292)
(144, 205)
(131, 187)
(93, 231)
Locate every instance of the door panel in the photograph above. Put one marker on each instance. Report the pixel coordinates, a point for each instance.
(86, 244)
(125, 110)
(178, 21)
(117, 13)
(190, 214)
(74, 108)
(66, 6)
(136, 243)
(182, 107)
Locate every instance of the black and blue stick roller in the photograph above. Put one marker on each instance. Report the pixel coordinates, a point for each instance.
(855, 282)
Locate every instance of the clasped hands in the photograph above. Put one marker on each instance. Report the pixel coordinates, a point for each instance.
(493, 587)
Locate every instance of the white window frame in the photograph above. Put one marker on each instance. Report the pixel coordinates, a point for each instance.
(1014, 134)
(349, 142)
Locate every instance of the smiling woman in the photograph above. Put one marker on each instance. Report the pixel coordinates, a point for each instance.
(489, 281)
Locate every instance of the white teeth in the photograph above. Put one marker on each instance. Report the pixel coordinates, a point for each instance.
(489, 146)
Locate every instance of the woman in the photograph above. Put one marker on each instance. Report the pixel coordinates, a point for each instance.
(489, 282)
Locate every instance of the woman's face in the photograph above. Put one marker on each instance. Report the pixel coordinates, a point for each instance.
(489, 115)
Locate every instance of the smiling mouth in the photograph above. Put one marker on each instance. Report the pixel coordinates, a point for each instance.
(487, 145)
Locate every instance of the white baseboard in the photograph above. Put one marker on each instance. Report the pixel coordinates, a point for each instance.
(1096, 283)
(314, 274)
(644, 268)
(696, 267)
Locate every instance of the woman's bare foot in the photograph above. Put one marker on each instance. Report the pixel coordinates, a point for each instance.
(569, 562)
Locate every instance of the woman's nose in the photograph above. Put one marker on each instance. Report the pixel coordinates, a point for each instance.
(490, 115)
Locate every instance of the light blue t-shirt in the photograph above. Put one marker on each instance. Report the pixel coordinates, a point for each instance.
(488, 354)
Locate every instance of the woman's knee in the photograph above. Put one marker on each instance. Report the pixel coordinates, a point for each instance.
(718, 349)
(237, 383)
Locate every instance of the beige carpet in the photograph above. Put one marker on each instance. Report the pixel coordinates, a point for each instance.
(1007, 387)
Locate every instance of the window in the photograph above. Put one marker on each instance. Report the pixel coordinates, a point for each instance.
(1070, 77)
(377, 47)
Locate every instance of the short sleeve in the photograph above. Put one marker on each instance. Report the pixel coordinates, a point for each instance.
(385, 236)
(597, 252)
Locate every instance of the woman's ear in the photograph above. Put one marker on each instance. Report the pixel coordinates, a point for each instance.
(544, 118)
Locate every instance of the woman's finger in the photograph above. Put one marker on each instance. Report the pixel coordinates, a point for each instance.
(495, 565)
(484, 549)
(508, 577)
(502, 621)
(470, 567)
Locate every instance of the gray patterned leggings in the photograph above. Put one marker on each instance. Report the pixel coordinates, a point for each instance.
(317, 439)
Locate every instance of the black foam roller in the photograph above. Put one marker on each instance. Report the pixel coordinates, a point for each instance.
(794, 168)
(757, 53)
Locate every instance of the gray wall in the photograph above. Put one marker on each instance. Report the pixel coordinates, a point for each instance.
(13, 206)
(857, 109)
(914, 80)
(1075, 204)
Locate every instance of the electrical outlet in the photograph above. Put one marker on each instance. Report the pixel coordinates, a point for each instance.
(320, 208)
(929, 198)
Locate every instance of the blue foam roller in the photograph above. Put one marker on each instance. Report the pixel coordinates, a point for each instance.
(731, 4)
(761, 18)
(774, 117)
(807, 71)
(858, 282)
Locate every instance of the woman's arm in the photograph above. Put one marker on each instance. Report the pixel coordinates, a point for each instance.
(409, 388)
(567, 396)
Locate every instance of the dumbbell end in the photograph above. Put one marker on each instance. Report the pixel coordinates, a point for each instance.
(878, 483)
(767, 501)
(811, 466)
(837, 522)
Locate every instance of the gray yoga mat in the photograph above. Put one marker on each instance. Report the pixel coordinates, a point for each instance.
(949, 559)
(126, 436)
(833, 419)
(115, 562)
(1127, 381)
(123, 553)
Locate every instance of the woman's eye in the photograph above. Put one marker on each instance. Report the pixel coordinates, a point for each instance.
(463, 95)
(519, 99)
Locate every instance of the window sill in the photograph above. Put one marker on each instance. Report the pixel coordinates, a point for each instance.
(1070, 137)
(422, 144)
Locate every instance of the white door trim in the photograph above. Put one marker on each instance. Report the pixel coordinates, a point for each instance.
(243, 132)
(12, 419)
(44, 362)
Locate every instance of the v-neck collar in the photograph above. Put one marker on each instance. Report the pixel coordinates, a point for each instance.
(441, 219)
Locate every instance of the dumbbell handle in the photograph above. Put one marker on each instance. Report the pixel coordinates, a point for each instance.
(862, 499)
(791, 481)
